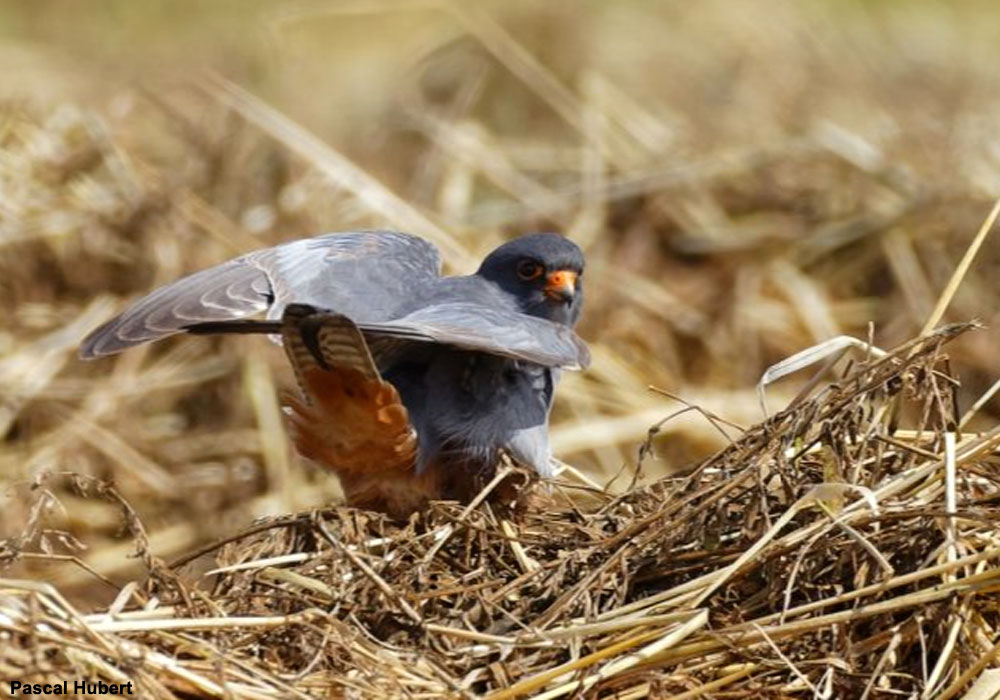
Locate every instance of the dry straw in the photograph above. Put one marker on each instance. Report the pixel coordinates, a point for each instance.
(822, 551)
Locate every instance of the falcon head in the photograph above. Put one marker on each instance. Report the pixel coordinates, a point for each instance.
(543, 272)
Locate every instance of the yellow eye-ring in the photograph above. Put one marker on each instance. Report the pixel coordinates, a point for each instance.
(529, 270)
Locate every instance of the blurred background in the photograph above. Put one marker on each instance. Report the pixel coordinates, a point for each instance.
(747, 180)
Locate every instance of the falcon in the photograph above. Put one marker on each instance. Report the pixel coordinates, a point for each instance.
(411, 383)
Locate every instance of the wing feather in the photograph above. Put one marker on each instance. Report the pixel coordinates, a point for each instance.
(468, 326)
(498, 331)
(364, 275)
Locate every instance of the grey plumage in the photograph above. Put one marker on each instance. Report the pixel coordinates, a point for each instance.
(474, 358)
(366, 276)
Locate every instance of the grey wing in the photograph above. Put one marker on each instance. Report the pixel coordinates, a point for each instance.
(365, 275)
(529, 445)
(498, 331)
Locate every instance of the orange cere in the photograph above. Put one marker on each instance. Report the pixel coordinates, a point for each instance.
(561, 281)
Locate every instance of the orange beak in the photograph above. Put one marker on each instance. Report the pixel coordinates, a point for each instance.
(560, 285)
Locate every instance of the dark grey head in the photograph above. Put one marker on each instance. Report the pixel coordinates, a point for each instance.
(543, 271)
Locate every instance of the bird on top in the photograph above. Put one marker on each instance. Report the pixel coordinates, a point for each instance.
(411, 383)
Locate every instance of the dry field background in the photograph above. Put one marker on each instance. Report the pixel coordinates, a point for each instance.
(747, 180)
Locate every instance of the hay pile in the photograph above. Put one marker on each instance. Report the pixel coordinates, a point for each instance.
(762, 573)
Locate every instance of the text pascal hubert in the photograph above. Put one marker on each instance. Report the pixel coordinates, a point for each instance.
(74, 688)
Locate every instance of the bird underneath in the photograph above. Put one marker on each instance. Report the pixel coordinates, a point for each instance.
(411, 384)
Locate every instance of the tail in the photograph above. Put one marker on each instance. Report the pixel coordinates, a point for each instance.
(348, 418)
(325, 340)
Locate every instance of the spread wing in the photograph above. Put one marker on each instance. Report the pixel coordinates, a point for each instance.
(365, 275)
(465, 325)
(498, 331)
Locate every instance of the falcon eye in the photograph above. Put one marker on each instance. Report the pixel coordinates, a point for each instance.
(529, 270)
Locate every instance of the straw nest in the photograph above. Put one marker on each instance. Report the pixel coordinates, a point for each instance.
(825, 553)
